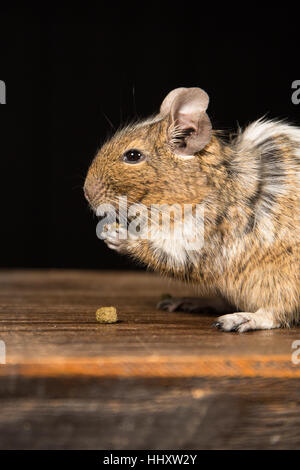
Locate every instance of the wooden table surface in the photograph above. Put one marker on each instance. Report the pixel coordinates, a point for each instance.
(154, 380)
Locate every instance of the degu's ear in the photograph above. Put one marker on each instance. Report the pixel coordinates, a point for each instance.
(189, 126)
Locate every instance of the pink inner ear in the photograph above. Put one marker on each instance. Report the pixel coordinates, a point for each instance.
(189, 108)
(187, 121)
(191, 133)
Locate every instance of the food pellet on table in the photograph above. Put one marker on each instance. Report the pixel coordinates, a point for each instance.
(107, 315)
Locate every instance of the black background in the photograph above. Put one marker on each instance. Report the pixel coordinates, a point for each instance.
(66, 68)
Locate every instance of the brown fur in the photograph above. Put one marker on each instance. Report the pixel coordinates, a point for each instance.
(246, 188)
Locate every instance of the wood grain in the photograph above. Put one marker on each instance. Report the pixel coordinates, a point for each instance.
(153, 380)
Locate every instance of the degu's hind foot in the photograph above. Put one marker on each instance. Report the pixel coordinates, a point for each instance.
(193, 305)
(246, 321)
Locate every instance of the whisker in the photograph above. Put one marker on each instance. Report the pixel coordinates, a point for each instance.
(109, 121)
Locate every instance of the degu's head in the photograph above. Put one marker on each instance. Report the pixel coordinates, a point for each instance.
(156, 161)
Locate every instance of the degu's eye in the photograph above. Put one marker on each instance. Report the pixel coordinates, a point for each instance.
(133, 156)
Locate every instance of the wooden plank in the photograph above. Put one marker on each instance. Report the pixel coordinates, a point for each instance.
(154, 413)
(52, 315)
(153, 380)
(155, 366)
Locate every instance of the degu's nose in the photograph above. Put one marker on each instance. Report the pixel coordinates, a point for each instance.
(92, 189)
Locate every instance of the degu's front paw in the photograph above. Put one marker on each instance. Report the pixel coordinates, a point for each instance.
(116, 237)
